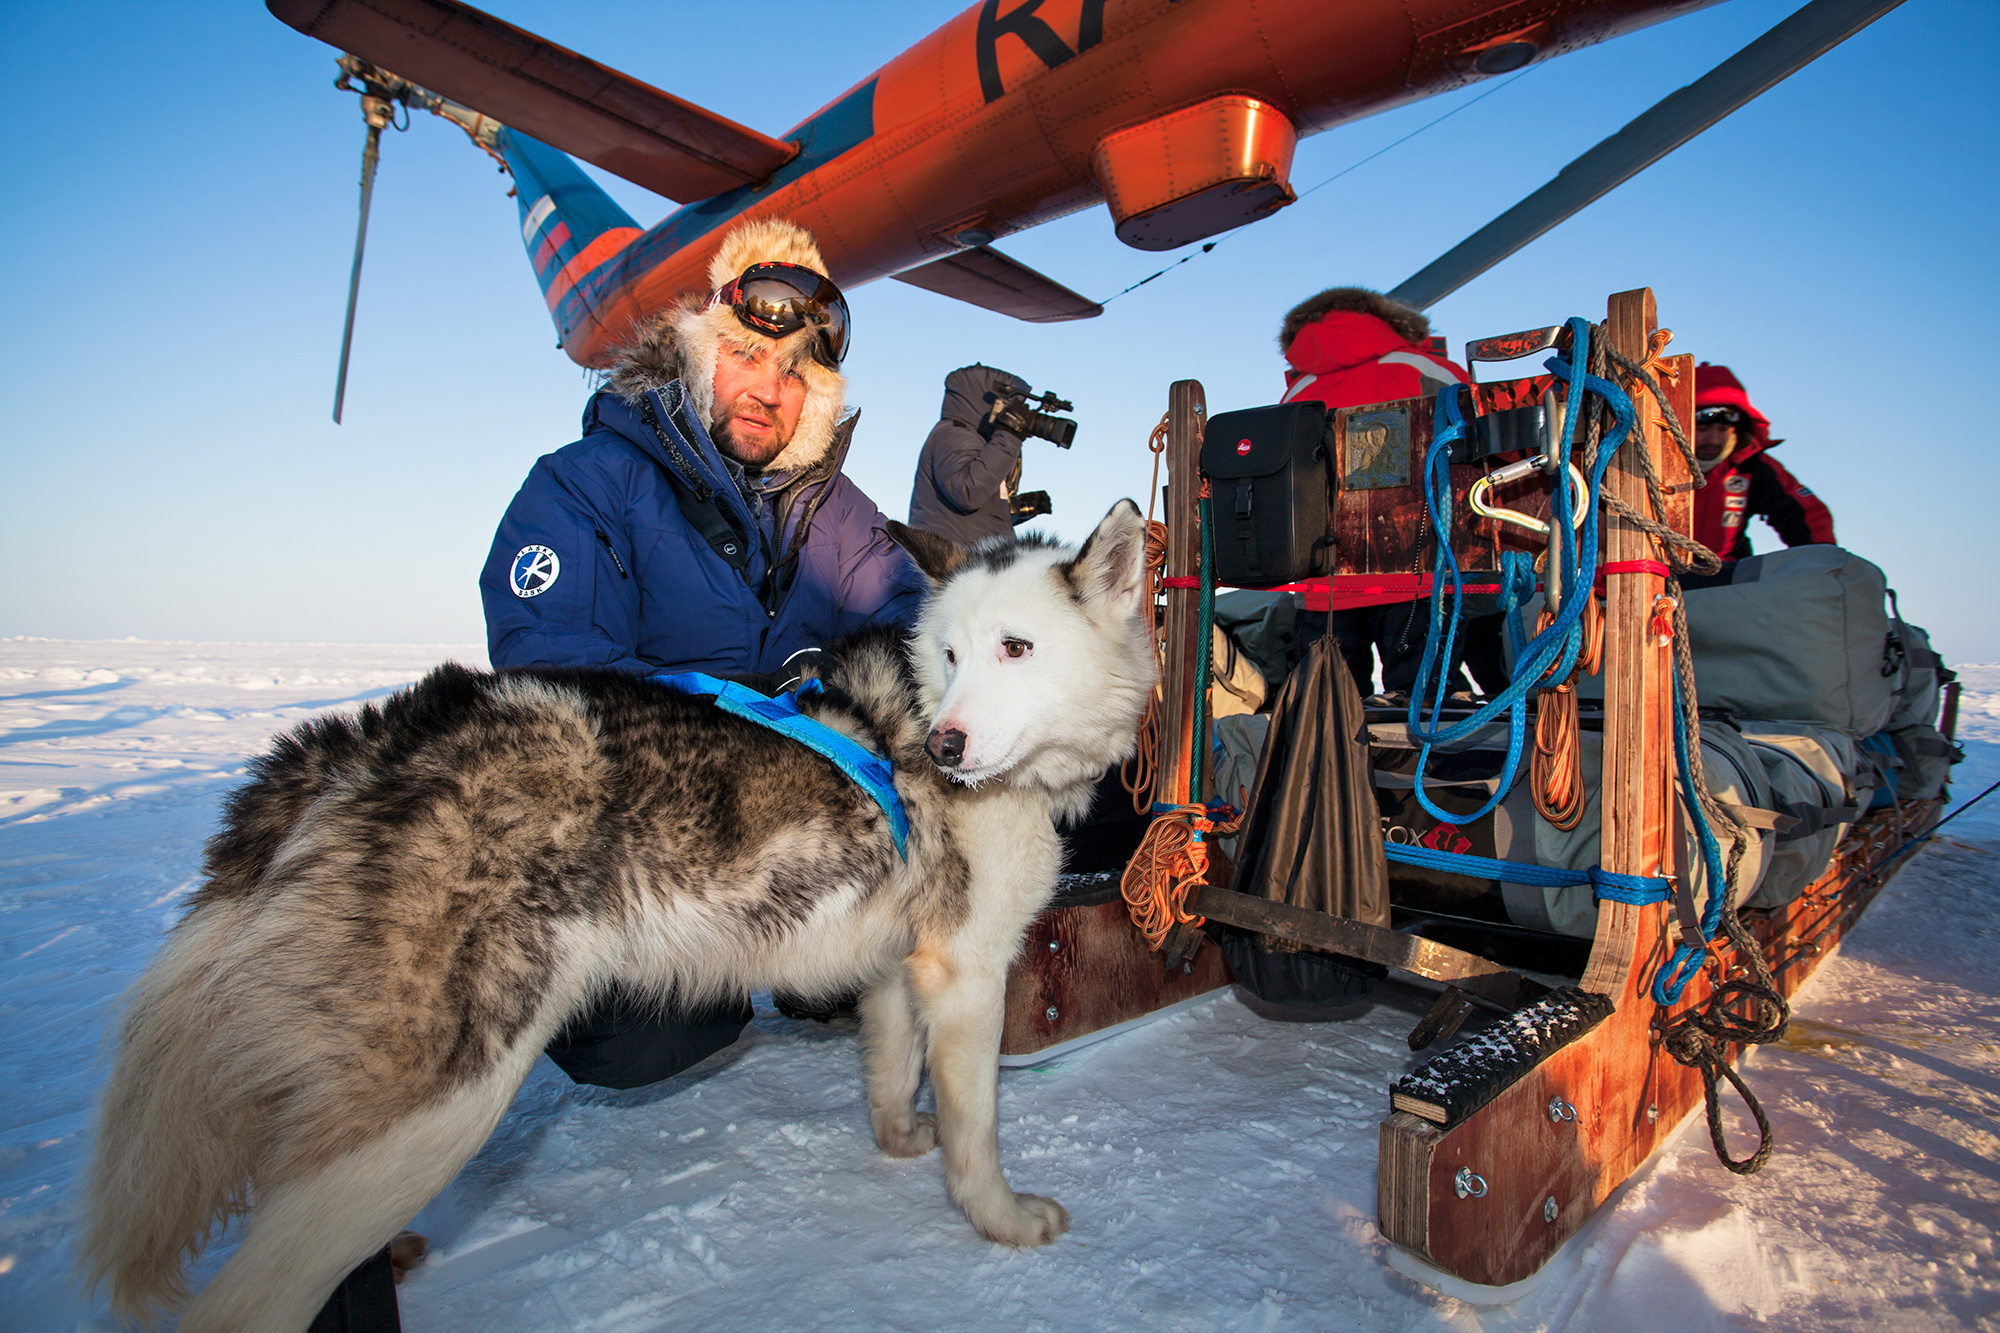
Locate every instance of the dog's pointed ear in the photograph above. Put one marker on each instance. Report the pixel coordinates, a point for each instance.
(1111, 567)
(938, 557)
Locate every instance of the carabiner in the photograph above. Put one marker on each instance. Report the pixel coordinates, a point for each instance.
(1579, 490)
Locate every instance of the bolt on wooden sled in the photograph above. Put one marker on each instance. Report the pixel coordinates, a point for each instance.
(1499, 1148)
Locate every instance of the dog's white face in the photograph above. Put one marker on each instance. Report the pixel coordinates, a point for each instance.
(1036, 660)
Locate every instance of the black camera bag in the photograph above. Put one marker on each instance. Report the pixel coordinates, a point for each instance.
(1271, 486)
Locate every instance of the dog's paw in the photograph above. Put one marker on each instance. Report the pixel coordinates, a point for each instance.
(1032, 1221)
(913, 1138)
(406, 1251)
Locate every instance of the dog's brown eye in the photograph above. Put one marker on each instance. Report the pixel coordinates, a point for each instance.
(1016, 647)
(950, 657)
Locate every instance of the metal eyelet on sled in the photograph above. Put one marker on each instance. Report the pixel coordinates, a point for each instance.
(1469, 1183)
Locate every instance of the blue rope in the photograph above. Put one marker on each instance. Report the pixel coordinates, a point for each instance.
(1640, 889)
(1553, 652)
(1517, 585)
(1555, 649)
(1676, 972)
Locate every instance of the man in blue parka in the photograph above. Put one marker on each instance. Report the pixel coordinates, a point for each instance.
(702, 523)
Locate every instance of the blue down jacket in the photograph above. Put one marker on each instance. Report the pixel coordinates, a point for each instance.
(596, 562)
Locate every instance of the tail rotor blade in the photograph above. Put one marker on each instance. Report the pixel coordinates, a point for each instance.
(371, 154)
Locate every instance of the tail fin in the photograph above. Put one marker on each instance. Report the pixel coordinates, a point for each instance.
(570, 226)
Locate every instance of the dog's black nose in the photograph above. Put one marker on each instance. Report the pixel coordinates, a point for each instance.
(947, 748)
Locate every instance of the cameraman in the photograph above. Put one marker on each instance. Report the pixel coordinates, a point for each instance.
(966, 475)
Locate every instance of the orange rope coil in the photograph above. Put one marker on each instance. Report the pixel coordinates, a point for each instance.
(1170, 862)
(1138, 774)
(1557, 779)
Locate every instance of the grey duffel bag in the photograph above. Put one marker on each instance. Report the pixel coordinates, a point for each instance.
(1261, 624)
(1801, 635)
(1819, 778)
(1927, 759)
(1924, 677)
(1514, 832)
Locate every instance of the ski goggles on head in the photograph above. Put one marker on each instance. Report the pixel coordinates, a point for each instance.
(778, 300)
(1718, 416)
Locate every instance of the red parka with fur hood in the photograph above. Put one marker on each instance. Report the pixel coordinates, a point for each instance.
(1748, 482)
(1349, 346)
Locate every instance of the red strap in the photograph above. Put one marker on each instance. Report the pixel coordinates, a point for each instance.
(1634, 567)
(1189, 582)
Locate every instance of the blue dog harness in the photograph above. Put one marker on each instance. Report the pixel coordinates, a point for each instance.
(868, 771)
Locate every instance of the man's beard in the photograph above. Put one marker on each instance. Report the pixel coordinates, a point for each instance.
(725, 441)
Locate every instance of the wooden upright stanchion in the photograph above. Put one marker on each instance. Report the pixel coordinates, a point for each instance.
(1638, 679)
(1489, 1198)
(1086, 968)
(1187, 417)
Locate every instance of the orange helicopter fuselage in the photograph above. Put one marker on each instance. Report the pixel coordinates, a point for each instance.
(1019, 111)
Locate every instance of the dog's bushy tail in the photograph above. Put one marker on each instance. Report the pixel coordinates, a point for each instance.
(175, 1143)
(176, 1146)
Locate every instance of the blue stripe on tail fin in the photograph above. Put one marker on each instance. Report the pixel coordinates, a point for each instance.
(568, 224)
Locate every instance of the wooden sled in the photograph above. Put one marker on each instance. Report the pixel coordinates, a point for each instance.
(1487, 1190)
(1535, 1124)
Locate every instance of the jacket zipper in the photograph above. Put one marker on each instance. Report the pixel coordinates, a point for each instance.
(612, 553)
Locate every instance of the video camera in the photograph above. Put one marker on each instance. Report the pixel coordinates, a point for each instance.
(1027, 414)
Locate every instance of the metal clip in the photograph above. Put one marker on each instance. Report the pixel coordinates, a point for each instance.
(1527, 467)
(1555, 432)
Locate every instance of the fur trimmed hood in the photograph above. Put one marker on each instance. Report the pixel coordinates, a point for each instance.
(683, 341)
(1406, 322)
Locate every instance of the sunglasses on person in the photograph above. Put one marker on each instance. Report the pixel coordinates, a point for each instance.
(777, 300)
(1718, 416)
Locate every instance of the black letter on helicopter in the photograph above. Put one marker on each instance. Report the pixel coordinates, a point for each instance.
(1040, 37)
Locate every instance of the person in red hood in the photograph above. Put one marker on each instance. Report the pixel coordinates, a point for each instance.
(1346, 347)
(1731, 441)
(1349, 346)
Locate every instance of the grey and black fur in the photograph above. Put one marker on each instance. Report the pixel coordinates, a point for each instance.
(403, 906)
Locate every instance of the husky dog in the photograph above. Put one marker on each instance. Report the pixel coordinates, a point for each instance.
(402, 908)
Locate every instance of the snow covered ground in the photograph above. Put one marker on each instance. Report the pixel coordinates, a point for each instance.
(1219, 1167)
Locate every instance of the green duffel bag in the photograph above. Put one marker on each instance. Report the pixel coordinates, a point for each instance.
(1924, 677)
(1927, 757)
(1515, 832)
(1819, 778)
(1801, 635)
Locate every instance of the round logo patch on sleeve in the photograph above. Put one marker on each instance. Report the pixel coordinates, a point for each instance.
(535, 570)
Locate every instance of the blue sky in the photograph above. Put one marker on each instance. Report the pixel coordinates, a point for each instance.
(182, 219)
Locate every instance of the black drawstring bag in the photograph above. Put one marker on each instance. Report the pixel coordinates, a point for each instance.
(1312, 838)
